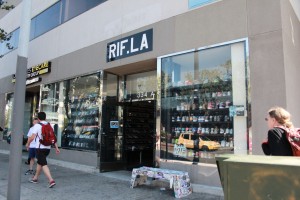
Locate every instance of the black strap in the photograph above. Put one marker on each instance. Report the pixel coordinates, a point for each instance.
(37, 135)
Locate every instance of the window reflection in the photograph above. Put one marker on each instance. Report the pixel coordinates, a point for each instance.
(59, 13)
(72, 8)
(196, 101)
(141, 86)
(45, 21)
(50, 103)
(82, 104)
(11, 44)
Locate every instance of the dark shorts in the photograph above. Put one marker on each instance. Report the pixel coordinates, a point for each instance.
(32, 153)
(41, 155)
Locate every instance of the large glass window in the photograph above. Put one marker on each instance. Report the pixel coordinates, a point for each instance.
(50, 103)
(141, 86)
(203, 103)
(82, 106)
(59, 13)
(46, 21)
(28, 113)
(72, 8)
(8, 112)
(11, 44)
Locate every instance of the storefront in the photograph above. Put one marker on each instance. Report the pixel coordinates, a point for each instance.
(200, 110)
(99, 113)
(170, 90)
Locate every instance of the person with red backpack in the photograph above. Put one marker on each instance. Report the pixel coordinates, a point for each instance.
(44, 137)
(277, 143)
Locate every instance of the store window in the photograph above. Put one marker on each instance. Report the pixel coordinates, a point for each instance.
(141, 86)
(203, 103)
(8, 113)
(50, 98)
(28, 113)
(82, 113)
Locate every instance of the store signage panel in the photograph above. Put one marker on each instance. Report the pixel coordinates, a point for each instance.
(143, 95)
(35, 71)
(33, 80)
(132, 45)
(236, 110)
(114, 124)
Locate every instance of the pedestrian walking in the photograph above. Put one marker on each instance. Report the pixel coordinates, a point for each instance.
(31, 148)
(277, 143)
(42, 151)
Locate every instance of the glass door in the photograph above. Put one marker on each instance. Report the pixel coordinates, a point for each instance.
(139, 119)
(111, 134)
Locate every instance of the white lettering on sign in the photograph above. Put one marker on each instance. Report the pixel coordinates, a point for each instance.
(144, 43)
(132, 45)
(180, 150)
(132, 49)
(144, 95)
(122, 46)
(112, 51)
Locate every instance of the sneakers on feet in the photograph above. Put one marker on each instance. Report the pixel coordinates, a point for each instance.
(29, 172)
(51, 184)
(33, 180)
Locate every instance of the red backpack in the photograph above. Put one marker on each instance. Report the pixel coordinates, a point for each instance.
(293, 136)
(48, 136)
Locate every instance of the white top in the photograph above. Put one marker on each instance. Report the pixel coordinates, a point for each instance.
(37, 129)
(29, 134)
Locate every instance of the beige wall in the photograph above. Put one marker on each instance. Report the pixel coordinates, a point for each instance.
(291, 48)
(274, 60)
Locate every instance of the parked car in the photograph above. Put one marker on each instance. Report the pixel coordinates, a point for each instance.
(205, 144)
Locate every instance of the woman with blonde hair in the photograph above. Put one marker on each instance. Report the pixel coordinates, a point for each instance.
(277, 143)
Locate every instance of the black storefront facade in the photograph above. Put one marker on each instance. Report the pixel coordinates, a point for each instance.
(142, 97)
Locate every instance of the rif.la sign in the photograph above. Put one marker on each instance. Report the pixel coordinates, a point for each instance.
(132, 45)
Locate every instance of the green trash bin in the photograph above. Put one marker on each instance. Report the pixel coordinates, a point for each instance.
(260, 177)
(221, 164)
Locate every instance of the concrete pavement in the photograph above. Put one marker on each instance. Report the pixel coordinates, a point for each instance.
(80, 182)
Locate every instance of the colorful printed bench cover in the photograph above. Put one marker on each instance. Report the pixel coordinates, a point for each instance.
(179, 180)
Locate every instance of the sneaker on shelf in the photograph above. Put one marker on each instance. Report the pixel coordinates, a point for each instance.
(52, 183)
(33, 180)
(29, 172)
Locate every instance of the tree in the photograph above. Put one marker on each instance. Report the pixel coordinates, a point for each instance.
(4, 36)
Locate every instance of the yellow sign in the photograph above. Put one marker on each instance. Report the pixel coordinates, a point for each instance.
(35, 71)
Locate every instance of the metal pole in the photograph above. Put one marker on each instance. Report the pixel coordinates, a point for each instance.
(15, 157)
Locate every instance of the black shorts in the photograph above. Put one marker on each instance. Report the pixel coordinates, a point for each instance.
(41, 155)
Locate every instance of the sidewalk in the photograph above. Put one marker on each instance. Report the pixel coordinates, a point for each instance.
(86, 184)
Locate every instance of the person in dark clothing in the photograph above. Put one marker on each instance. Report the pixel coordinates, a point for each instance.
(277, 143)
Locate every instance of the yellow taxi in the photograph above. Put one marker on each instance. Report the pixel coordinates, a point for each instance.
(205, 144)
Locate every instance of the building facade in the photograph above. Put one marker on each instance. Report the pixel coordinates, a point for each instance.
(155, 83)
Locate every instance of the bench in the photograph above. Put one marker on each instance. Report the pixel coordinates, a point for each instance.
(178, 180)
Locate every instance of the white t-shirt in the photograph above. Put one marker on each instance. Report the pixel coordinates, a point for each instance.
(37, 129)
(29, 134)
